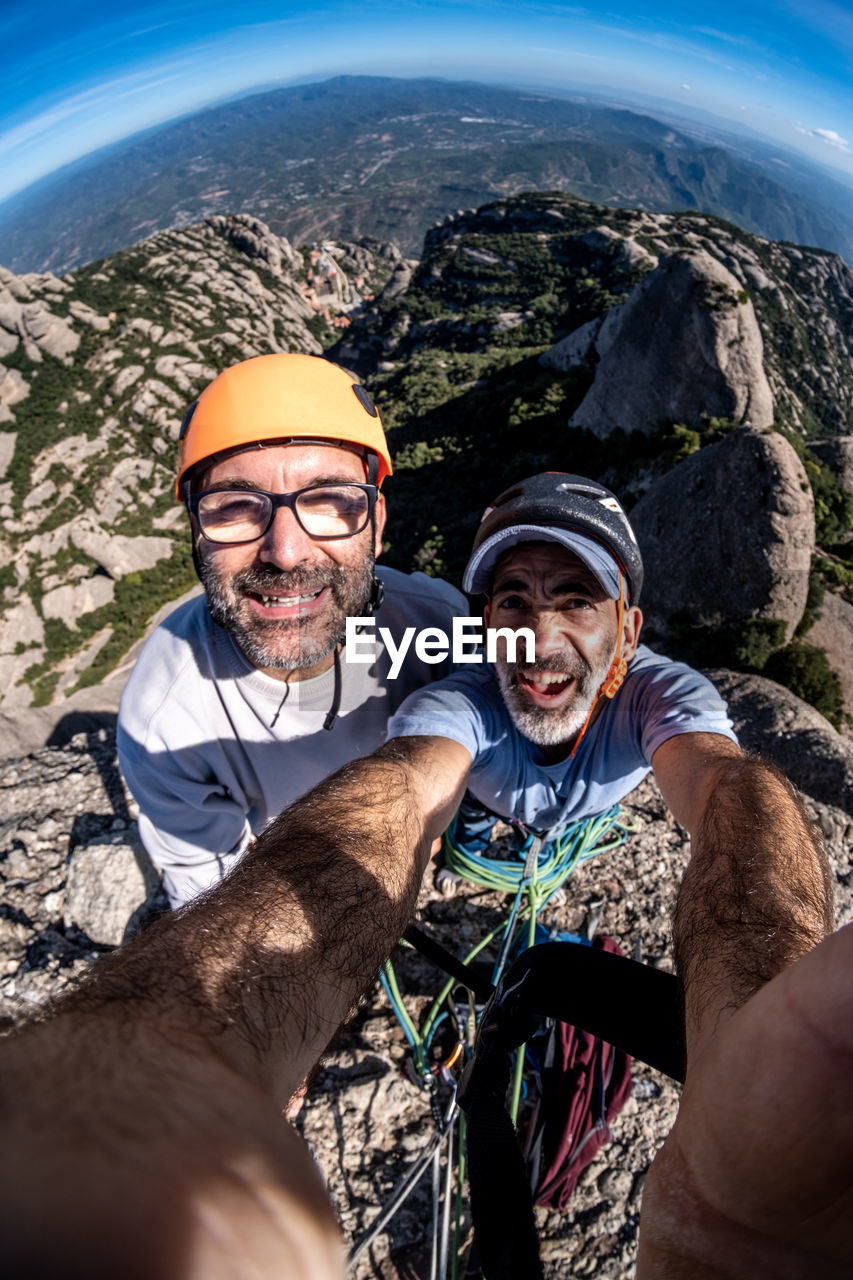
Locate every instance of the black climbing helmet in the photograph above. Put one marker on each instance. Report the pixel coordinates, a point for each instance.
(553, 506)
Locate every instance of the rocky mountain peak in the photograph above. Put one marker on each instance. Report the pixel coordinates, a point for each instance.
(728, 535)
(685, 345)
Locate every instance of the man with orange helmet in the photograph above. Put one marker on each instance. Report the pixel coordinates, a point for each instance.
(226, 717)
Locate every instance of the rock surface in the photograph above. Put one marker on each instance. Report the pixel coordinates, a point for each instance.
(116, 554)
(108, 889)
(728, 535)
(26, 317)
(686, 345)
(573, 350)
(781, 727)
(24, 729)
(70, 602)
(838, 456)
(7, 450)
(832, 631)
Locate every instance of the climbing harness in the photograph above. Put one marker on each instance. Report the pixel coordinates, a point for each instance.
(487, 1025)
(628, 1004)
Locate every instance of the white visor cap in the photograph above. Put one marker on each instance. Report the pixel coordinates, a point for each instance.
(478, 571)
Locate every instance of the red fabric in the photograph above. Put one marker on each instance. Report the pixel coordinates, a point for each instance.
(583, 1088)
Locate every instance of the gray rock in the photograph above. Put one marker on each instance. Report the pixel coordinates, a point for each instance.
(602, 237)
(72, 453)
(185, 372)
(838, 456)
(13, 386)
(39, 495)
(481, 256)
(397, 282)
(109, 886)
(506, 320)
(684, 344)
(254, 238)
(25, 729)
(634, 255)
(126, 377)
(116, 553)
(781, 727)
(832, 631)
(7, 450)
(131, 482)
(81, 311)
(728, 535)
(22, 626)
(51, 334)
(70, 602)
(572, 350)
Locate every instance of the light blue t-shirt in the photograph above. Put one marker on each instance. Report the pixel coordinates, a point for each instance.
(509, 775)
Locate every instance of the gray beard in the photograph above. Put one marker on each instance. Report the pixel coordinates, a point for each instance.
(287, 644)
(546, 726)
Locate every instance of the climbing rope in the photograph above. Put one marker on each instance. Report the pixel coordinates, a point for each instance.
(532, 874)
(535, 872)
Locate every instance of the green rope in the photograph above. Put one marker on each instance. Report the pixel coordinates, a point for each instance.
(435, 1007)
(535, 879)
(460, 1183)
(582, 840)
(532, 887)
(415, 1039)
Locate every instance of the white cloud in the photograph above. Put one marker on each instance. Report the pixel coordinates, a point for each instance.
(669, 43)
(830, 136)
(686, 86)
(100, 97)
(834, 139)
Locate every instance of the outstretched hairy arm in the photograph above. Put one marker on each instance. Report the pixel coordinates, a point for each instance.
(755, 1178)
(140, 1115)
(757, 892)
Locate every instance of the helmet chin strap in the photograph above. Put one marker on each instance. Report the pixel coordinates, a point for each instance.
(617, 670)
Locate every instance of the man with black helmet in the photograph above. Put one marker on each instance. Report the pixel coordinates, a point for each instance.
(562, 737)
(550, 741)
(244, 699)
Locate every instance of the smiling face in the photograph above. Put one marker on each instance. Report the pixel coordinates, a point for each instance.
(544, 586)
(285, 598)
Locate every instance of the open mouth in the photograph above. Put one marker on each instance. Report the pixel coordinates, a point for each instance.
(287, 606)
(546, 688)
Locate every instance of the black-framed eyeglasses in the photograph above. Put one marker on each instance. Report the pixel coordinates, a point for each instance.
(323, 511)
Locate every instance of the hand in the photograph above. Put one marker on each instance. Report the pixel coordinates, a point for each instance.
(756, 1178)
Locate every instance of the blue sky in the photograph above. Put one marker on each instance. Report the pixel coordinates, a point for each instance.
(80, 75)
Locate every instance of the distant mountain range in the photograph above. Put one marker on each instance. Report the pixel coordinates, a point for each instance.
(389, 158)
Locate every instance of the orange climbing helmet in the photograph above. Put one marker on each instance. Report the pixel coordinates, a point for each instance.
(281, 398)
